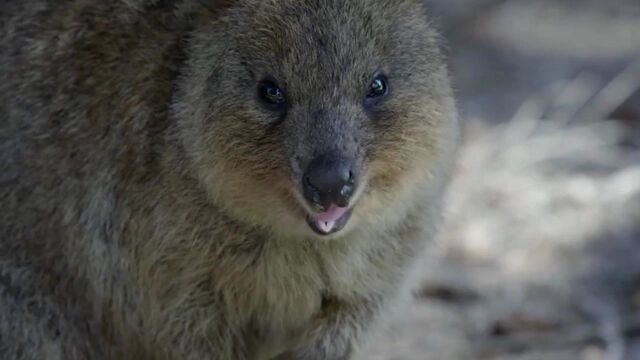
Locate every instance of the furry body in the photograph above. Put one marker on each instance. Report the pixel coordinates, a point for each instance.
(149, 204)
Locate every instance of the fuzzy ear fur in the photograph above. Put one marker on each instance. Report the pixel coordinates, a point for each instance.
(149, 206)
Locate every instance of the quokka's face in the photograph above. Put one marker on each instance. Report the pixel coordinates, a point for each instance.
(314, 118)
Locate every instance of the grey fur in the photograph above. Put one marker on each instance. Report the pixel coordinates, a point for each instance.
(149, 203)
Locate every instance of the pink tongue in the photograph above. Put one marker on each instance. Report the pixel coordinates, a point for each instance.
(332, 215)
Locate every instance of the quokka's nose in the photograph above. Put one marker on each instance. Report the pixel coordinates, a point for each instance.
(329, 180)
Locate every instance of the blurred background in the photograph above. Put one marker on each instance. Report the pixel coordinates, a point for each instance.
(539, 257)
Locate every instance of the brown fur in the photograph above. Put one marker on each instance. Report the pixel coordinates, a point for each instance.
(150, 205)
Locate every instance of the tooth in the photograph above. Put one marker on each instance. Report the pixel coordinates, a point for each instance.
(326, 226)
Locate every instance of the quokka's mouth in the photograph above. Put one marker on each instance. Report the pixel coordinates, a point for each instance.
(330, 221)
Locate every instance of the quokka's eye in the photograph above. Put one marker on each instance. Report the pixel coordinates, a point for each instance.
(272, 95)
(378, 90)
(378, 87)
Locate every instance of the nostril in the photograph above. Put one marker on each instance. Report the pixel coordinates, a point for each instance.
(351, 179)
(315, 199)
(308, 182)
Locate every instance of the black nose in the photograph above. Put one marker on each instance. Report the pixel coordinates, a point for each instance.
(329, 180)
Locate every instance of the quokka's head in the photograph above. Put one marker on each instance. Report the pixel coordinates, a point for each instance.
(315, 118)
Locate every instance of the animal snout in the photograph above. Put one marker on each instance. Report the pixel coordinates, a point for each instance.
(329, 180)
